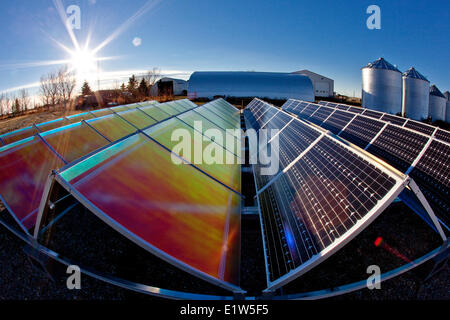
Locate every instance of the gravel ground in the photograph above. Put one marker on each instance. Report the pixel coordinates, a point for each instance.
(20, 281)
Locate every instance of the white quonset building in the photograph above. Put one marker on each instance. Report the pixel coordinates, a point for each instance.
(169, 86)
(382, 87)
(323, 86)
(240, 84)
(438, 104)
(416, 95)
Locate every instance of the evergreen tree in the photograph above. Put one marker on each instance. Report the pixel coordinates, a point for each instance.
(86, 89)
(132, 84)
(143, 88)
(122, 87)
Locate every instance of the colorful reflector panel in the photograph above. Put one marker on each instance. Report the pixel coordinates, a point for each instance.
(79, 117)
(155, 112)
(112, 127)
(24, 168)
(174, 211)
(196, 148)
(137, 118)
(47, 126)
(74, 141)
(18, 135)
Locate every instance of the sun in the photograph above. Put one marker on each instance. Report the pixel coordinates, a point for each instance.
(83, 63)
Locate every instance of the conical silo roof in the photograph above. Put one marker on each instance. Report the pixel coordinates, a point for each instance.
(434, 91)
(413, 73)
(380, 63)
(447, 95)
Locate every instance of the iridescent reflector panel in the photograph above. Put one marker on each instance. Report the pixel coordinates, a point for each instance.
(211, 116)
(79, 117)
(224, 166)
(168, 108)
(47, 126)
(24, 168)
(208, 128)
(101, 112)
(173, 211)
(155, 112)
(137, 118)
(74, 141)
(18, 135)
(112, 127)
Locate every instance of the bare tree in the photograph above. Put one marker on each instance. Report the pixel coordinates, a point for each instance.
(66, 83)
(24, 100)
(152, 76)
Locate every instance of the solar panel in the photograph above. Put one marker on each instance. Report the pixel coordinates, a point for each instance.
(321, 115)
(323, 195)
(432, 174)
(442, 135)
(337, 121)
(316, 202)
(372, 114)
(361, 131)
(393, 119)
(398, 147)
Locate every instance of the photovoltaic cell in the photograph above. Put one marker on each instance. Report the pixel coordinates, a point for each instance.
(101, 112)
(398, 147)
(432, 174)
(165, 210)
(442, 135)
(337, 121)
(372, 114)
(361, 131)
(316, 202)
(393, 119)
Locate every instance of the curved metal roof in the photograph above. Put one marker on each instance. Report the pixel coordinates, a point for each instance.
(413, 73)
(272, 85)
(434, 91)
(380, 63)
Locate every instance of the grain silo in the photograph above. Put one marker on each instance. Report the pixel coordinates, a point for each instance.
(447, 109)
(416, 95)
(437, 104)
(382, 87)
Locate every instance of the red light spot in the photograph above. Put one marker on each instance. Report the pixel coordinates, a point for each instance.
(378, 241)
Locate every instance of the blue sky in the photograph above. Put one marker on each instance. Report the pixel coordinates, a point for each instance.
(181, 36)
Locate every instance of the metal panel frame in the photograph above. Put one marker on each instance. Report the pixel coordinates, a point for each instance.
(56, 177)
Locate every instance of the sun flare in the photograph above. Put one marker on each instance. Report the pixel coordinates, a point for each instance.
(83, 63)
